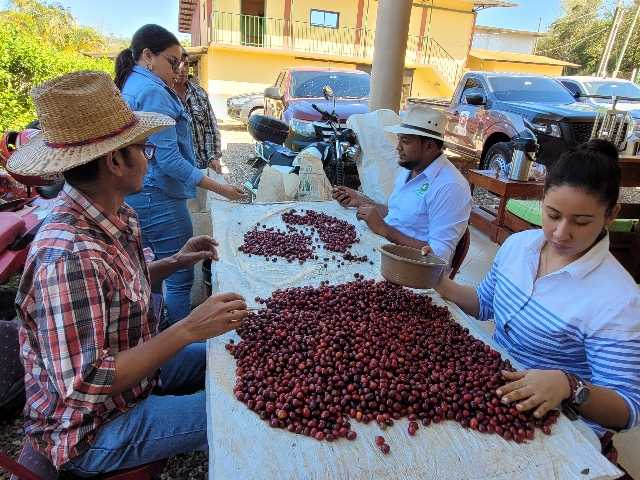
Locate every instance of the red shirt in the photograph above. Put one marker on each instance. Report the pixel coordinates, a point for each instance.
(84, 296)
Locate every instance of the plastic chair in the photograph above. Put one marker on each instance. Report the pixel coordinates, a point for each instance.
(460, 253)
(32, 465)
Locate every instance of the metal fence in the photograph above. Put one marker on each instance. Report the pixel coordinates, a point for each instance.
(280, 34)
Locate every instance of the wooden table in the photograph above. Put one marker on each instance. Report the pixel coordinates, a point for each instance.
(630, 167)
(241, 446)
(491, 221)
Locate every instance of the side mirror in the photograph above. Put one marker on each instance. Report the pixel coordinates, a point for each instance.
(327, 91)
(273, 93)
(576, 95)
(476, 99)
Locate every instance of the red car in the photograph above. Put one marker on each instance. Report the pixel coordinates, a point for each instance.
(297, 89)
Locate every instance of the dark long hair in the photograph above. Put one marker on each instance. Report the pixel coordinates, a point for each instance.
(593, 167)
(154, 37)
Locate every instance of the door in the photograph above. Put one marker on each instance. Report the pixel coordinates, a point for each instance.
(272, 106)
(252, 23)
(465, 119)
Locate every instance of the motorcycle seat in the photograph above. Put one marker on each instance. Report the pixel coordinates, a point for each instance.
(282, 159)
(12, 226)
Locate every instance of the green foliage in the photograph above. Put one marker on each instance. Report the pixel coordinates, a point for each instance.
(580, 35)
(39, 42)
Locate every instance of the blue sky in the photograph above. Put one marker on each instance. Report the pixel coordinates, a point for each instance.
(123, 17)
(523, 17)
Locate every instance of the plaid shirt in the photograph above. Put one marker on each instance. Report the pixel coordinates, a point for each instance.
(84, 296)
(206, 135)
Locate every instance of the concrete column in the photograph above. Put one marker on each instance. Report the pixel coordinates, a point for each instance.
(390, 47)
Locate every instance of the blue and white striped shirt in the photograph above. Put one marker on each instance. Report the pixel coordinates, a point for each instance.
(583, 318)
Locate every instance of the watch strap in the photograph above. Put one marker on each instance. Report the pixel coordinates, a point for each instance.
(573, 386)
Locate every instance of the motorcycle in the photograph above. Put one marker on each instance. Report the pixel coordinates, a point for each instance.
(338, 152)
(24, 202)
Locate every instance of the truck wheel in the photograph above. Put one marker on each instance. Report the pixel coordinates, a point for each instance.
(267, 129)
(501, 152)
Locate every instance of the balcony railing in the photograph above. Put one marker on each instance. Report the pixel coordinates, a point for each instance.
(302, 37)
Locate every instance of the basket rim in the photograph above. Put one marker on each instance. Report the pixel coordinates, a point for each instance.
(435, 260)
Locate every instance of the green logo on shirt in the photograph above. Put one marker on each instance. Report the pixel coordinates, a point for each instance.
(422, 190)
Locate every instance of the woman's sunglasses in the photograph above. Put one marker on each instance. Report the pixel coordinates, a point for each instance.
(176, 64)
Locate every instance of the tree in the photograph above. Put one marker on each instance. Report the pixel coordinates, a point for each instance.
(53, 24)
(38, 42)
(580, 34)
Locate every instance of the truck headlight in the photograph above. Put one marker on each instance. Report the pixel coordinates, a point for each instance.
(551, 129)
(302, 128)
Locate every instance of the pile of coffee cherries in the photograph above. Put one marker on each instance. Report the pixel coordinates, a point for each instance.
(333, 234)
(337, 235)
(313, 360)
(271, 243)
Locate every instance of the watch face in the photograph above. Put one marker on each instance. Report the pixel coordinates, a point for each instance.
(582, 395)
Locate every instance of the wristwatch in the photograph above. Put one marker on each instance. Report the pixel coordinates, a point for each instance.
(579, 395)
(579, 390)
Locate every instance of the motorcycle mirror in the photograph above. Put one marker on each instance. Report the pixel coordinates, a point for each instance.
(327, 91)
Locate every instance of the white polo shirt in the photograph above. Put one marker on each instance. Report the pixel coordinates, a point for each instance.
(432, 207)
(583, 318)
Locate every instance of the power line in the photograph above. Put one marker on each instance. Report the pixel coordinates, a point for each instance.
(574, 43)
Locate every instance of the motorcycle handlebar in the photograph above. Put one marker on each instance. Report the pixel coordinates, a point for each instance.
(325, 115)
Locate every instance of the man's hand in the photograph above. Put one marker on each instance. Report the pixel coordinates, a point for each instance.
(215, 165)
(217, 315)
(197, 248)
(543, 390)
(371, 215)
(232, 193)
(348, 197)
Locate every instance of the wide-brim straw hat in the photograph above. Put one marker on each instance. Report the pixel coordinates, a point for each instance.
(422, 121)
(83, 117)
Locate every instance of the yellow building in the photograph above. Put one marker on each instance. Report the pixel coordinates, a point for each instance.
(251, 41)
(491, 61)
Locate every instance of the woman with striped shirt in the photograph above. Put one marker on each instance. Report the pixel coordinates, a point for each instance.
(564, 307)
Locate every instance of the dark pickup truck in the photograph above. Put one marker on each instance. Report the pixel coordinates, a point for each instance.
(488, 109)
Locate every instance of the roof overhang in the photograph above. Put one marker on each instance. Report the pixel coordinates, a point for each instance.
(185, 15)
(193, 52)
(483, 28)
(512, 57)
(493, 3)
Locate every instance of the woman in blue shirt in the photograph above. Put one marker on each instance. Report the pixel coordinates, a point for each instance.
(144, 73)
(564, 307)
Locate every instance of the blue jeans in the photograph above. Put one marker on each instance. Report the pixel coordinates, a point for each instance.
(161, 426)
(166, 226)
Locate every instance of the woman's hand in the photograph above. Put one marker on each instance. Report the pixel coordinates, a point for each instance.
(232, 193)
(197, 248)
(543, 390)
(215, 165)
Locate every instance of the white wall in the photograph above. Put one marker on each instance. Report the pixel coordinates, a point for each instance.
(504, 42)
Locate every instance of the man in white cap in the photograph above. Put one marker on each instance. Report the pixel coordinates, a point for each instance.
(93, 355)
(431, 203)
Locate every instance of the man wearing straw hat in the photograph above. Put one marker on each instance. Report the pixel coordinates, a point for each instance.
(94, 359)
(431, 203)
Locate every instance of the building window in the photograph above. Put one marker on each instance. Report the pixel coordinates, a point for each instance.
(322, 18)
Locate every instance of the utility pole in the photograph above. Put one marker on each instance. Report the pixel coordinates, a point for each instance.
(606, 55)
(535, 46)
(626, 40)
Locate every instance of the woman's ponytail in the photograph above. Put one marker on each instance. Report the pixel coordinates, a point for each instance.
(124, 65)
